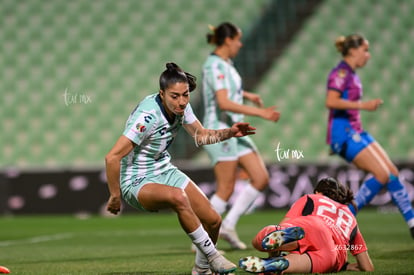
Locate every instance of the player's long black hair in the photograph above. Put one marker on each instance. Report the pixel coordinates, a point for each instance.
(174, 74)
(221, 32)
(331, 188)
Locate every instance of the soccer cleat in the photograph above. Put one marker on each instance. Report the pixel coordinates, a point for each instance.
(200, 270)
(219, 264)
(230, 235)
(255, 264)
(282, 236)
(412, 232)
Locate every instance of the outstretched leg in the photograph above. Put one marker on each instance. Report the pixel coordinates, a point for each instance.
(375, 160)
(370, 161)
(259, 179)
(397, 189)
(154, 196)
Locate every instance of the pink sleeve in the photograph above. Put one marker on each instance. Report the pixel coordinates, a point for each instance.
(358, 245)
(337, 80)
(297, 208)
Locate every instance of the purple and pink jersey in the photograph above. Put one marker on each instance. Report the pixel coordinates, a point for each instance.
(344, 80)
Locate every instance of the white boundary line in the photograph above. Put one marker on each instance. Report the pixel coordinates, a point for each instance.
(37, 239)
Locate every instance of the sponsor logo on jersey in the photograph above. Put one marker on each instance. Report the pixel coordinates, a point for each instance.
(140, 127)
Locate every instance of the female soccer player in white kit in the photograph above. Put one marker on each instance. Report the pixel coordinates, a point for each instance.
(138, 166)
(223, 105)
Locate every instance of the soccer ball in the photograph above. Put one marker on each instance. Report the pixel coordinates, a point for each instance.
(4, 270)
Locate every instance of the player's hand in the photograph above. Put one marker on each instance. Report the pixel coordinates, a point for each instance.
(114, 205)
(255, 98)
(371, 105)
(241, 129)
(352, 267)
(270, 113)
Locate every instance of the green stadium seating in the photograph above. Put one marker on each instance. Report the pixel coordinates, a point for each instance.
(298, 78)
(107, 55)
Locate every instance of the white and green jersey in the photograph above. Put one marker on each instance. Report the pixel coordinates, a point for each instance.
(150, 128)
(219, 74)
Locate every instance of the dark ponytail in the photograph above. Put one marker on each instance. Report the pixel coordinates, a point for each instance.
(174, 74)
(221, 32)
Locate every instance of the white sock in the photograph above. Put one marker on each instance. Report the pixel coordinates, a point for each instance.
(202, 241)
(243, 202)
(201, 259)
(218, 204)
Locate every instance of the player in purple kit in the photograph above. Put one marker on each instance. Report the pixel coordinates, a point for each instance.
(346, 135)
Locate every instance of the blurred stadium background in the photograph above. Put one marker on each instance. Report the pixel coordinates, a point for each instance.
(71, 72)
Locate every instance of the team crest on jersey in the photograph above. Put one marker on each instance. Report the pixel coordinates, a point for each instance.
(140, 127)
(220, 76)
(342, 73)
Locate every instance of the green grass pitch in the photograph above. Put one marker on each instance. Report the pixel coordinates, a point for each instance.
(155, 244)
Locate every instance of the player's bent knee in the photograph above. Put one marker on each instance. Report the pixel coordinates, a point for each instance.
(179, 200)
(260, 183)
(382, 176)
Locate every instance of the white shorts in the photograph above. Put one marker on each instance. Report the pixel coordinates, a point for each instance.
(172, 177)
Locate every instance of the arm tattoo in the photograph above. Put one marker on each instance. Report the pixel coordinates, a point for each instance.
(210, 136)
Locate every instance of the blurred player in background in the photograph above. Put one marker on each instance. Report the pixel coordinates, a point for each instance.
(346, 135)
(138, 167)
(223, 97)
(317, 232)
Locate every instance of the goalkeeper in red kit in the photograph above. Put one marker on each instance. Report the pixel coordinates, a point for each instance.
(316, 234)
